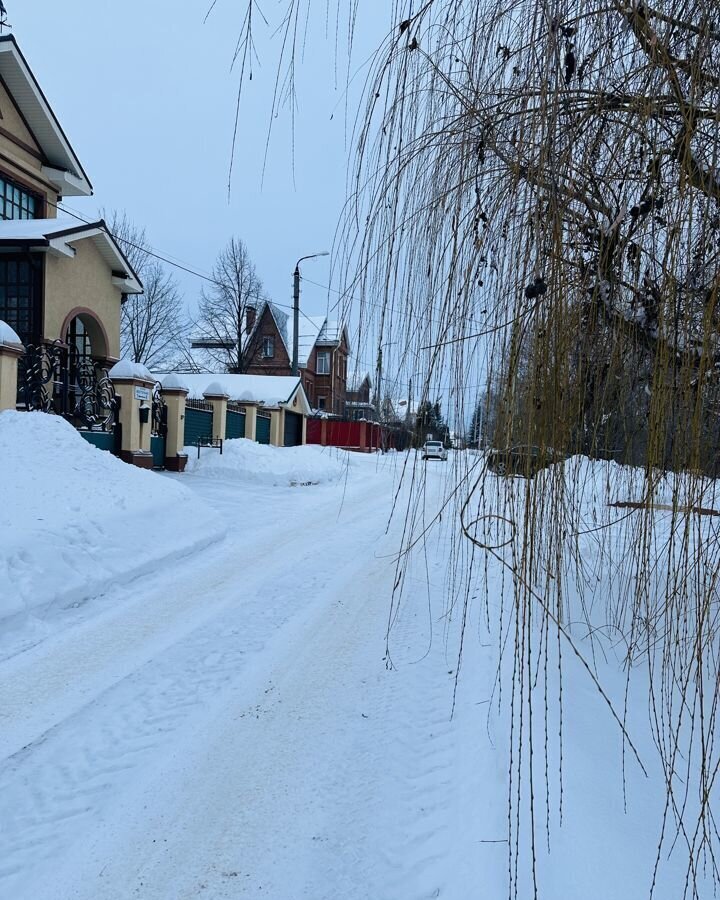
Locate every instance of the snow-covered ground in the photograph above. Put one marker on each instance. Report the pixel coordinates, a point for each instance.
(255, 717)
(76, 524)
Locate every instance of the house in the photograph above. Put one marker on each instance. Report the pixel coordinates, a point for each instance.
(323, 350)
(359, 405)
(62, 280)
(270, 409)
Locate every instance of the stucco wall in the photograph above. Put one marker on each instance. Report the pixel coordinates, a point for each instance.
(86, 282)
(20, 156)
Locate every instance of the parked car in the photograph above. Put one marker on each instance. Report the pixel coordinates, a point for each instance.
(434, 450)
(526, 460)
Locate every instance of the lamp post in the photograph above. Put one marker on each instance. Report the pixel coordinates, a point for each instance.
(296, 306)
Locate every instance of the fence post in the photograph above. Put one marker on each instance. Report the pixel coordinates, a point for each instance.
(175, 391)
(218, 399)
(10, 352)
(134, 386)
(277, 419)
(250, 421)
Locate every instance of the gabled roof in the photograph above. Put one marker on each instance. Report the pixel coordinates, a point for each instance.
(63, 168)
(58, 236)
(313, 330)
(356, 381)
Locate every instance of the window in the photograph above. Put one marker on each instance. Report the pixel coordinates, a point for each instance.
(16, 202)
(323, 362)
(20, 283)
(268, 347)
(321, 403)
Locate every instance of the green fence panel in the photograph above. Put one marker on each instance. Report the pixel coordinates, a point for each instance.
(157, 448)
(103, 440)
(234, 424)
(262, 429)
(198, 424)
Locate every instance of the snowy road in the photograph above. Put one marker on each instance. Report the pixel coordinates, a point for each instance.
(229, 727)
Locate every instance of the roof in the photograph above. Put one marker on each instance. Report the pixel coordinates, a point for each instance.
(313, 330)
(271, 390)
(58, 236)
(356, 381)
(63, 169)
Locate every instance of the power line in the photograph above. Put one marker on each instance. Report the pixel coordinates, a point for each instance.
(155, 255)
(191, 271)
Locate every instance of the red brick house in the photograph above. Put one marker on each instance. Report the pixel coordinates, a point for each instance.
(323, 350)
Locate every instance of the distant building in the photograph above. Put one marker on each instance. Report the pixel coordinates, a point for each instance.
(359, 406)
(323, 351)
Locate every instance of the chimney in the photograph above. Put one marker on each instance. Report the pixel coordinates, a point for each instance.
(250, 314)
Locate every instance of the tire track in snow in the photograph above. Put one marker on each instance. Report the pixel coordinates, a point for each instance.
(60, 784)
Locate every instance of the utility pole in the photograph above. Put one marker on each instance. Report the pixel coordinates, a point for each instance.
(296, 309)
(296, 318)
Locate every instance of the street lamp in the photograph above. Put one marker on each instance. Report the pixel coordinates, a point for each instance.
(296, 306)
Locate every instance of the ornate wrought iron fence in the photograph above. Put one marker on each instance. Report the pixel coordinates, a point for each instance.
(159, 412)
(56, 378)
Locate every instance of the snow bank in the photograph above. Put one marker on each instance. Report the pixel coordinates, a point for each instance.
(75, 520)
(248, 461)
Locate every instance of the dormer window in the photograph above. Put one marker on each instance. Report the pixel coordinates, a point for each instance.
(268, 346)
(323, 362)
(16, 202)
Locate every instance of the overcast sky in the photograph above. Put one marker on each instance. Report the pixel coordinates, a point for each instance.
(145, 93)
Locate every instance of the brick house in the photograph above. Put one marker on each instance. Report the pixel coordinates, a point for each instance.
(323, 351)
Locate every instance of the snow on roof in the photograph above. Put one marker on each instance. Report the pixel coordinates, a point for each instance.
(308, 333)
(331, 332)
(8, 338)
(59, 234)
(267, 389)
(313, 330)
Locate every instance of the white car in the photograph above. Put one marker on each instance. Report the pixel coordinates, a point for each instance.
(434, 450)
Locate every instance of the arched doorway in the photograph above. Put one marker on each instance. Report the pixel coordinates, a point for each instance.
(85, 336)
(90, 395)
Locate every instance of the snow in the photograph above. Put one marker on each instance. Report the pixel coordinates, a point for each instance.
(76, 521)
(266, 717)
(37, 229)
(267, 389)
(8, 337)
(214, 389)
(175, 382)
(247, 461)
(126, 368)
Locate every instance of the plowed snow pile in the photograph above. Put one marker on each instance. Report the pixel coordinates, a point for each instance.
(75, 520)
(243, 460)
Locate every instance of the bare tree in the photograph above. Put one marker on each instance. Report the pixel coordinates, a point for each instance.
(153, 325)
(537, 185)
(153, 329)
(223, 307)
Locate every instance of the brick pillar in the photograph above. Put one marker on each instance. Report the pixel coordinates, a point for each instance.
(277, 422)
(251, 421)
(134, 386)
(10, 352)
(175, 395)
(219, 401)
